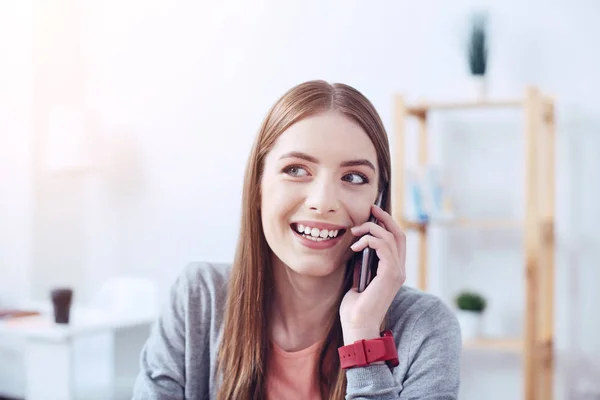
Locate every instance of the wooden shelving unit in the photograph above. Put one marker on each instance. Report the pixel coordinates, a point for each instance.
(537, 345)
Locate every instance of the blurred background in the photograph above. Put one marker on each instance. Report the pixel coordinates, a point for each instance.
(125, 127)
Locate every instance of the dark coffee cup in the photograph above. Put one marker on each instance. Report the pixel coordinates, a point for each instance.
(61, 300)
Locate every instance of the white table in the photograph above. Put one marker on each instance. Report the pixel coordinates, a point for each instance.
(48, 355)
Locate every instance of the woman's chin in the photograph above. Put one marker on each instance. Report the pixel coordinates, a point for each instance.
(314, 266)
(316, 270)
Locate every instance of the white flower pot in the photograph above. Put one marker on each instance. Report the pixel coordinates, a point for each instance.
(478, 87)
(470, 324)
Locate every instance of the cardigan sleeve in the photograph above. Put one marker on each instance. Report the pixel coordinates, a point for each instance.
(161, 375)
(433, 371)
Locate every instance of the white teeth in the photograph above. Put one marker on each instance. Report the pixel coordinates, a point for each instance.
(316, 233)
(314, 239)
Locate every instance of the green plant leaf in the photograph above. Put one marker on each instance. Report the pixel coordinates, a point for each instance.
(470, 301)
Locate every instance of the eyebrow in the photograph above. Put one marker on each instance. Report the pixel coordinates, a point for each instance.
(309, 158)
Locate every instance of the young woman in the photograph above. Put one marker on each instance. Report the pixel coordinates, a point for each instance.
(285, 320)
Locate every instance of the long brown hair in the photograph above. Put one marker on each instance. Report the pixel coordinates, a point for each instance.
(242, 356)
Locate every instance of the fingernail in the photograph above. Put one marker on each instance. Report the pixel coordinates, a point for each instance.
(353, 228)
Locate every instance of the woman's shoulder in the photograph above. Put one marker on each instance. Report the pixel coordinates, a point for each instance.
(422, 313)
(205, 274)
(203, 283)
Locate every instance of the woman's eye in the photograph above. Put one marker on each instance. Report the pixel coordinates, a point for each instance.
(355, 178)
(295, 170)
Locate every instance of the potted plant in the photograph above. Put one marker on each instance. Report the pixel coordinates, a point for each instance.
(470, 306)
(477, 49)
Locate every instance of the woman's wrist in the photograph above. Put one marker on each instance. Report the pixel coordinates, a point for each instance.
(351, 335)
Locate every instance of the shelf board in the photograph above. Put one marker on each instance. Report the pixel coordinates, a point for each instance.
(470, 223)
(499, 344)
(420, 109)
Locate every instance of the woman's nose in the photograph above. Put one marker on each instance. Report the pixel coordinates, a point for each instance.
(323, 198)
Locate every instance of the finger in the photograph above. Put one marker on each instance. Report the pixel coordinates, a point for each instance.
(389, 263)
(390, 225)
(368, 240)
(386, 276)
(384, 251)
(387, 220)
(374, 229)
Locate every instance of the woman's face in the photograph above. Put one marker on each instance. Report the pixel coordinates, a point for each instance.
(320, 179)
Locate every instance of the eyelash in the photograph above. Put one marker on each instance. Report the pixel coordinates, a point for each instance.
(287, 170)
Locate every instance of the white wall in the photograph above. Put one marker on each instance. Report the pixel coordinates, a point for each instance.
(16, 141)
(177, 90)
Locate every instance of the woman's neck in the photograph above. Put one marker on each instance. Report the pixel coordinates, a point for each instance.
(302, 307)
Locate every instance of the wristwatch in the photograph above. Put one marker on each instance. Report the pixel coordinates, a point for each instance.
(364, 352)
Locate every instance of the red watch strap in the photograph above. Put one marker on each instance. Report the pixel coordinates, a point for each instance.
(364, 352)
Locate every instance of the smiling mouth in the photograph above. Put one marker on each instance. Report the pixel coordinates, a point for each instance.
(315, 234)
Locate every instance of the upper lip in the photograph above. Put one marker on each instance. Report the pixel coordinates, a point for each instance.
(320, 225)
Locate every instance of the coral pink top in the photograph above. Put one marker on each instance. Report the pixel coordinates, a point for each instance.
(293, 375)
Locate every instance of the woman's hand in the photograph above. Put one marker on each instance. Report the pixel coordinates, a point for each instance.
(361, 314)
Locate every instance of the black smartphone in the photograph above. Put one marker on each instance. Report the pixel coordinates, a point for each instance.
(369, 259)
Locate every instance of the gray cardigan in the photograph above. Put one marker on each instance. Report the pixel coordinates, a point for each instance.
(178, 360)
